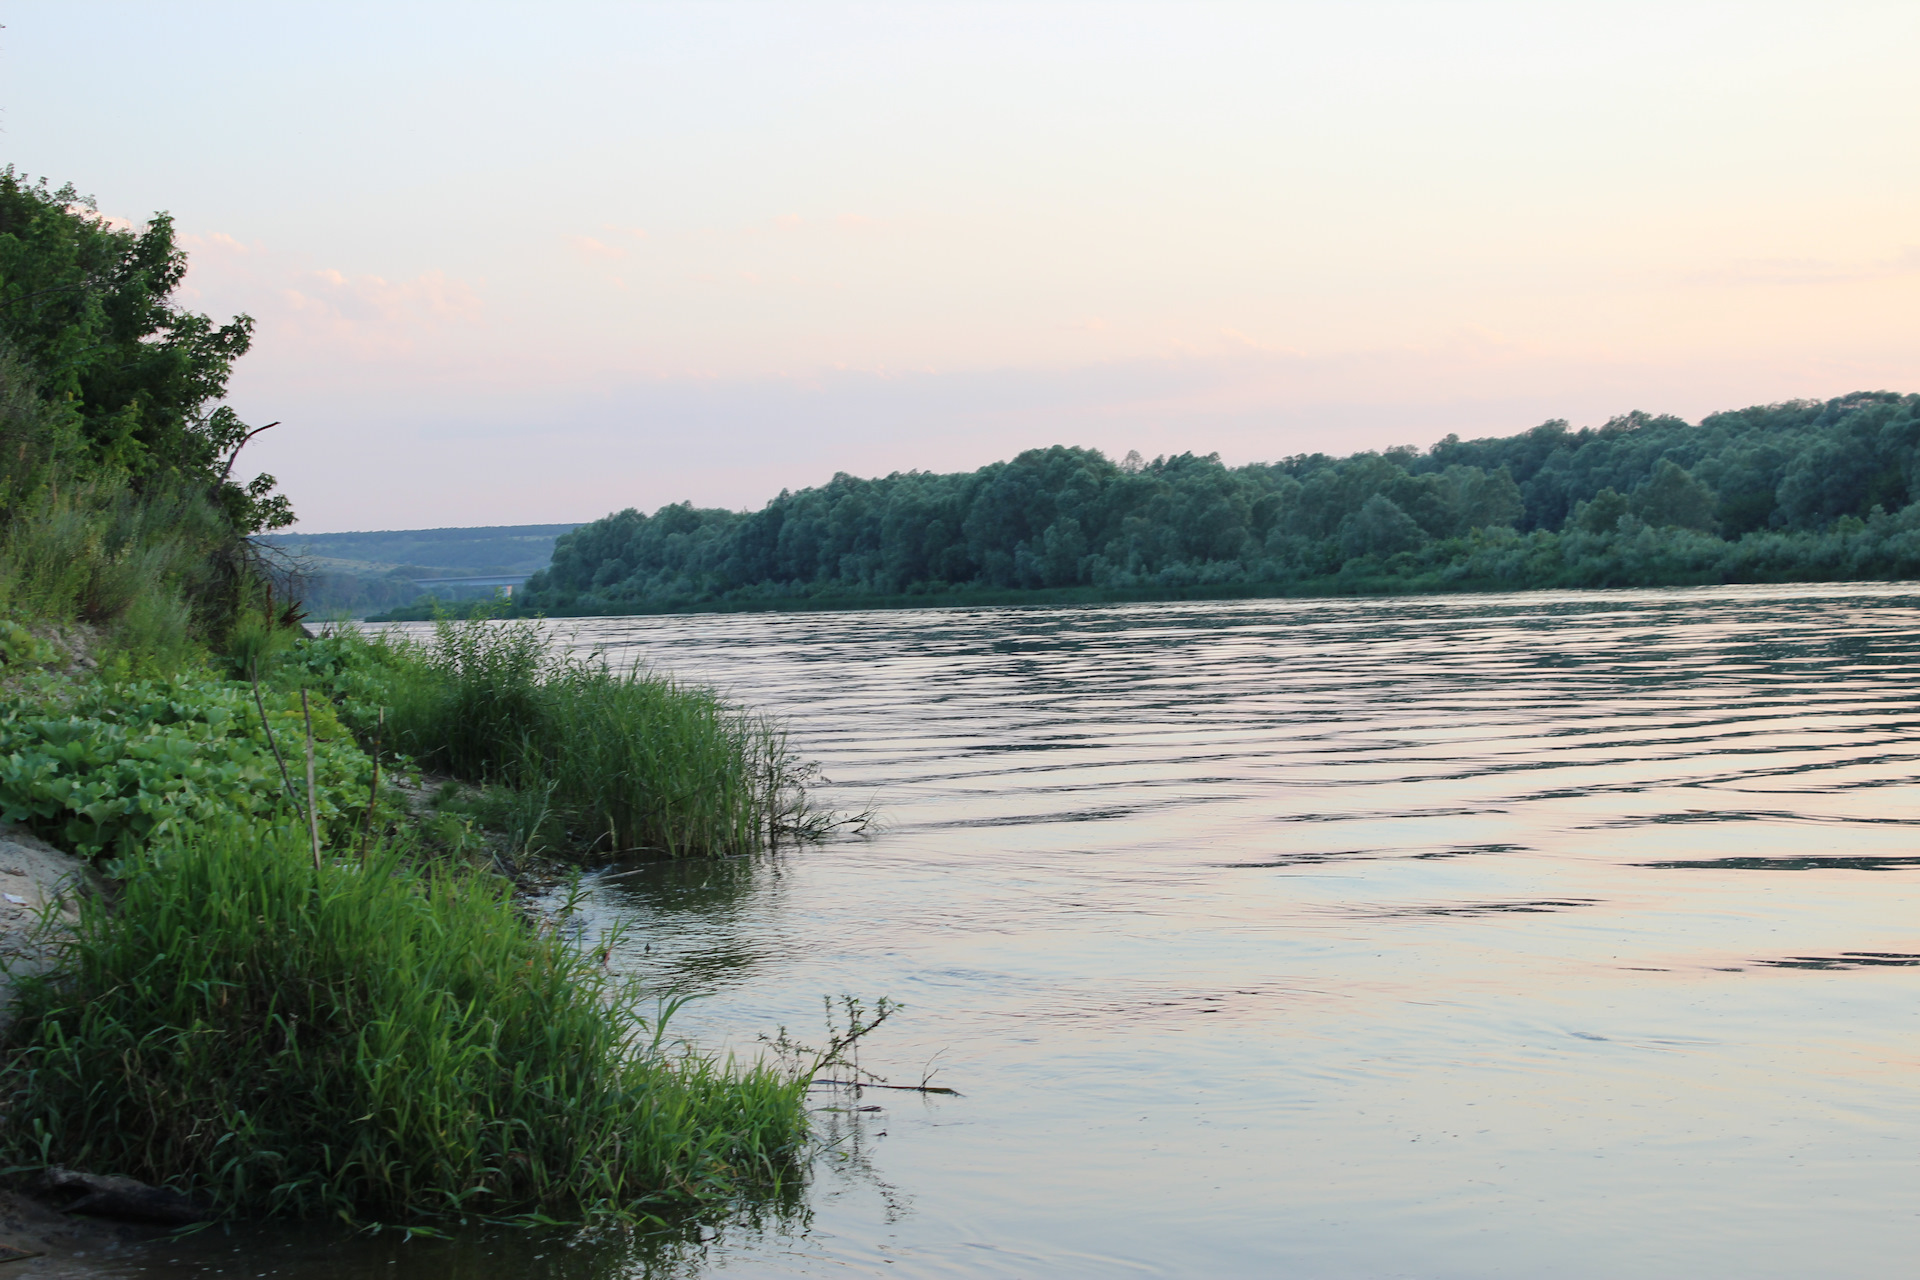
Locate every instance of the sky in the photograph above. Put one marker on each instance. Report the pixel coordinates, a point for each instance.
(535, 263)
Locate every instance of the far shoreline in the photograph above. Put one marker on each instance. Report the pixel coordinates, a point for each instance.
(1076, 597)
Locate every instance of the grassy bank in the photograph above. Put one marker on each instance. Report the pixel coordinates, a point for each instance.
(368, 1026)
(591, 761)
(369, 1039)
(296, 991)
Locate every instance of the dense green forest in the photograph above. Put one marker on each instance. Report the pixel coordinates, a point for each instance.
(1803, 491)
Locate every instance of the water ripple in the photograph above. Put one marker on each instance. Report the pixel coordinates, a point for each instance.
(1341, 937)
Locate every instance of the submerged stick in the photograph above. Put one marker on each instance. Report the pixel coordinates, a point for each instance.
(313, 815)
(909, 1088)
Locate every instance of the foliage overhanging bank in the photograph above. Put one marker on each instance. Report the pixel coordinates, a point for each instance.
(303, 994)
(1800, 491)
(121, 508)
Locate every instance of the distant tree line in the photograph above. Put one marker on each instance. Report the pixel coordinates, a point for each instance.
(1802, 491)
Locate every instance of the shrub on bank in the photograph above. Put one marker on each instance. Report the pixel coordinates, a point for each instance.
(365, 1040)
(629, 762)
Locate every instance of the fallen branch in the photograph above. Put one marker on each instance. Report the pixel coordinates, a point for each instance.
(910, 1088)
(267, 725)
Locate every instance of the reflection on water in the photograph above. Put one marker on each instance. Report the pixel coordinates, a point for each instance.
(1887, 863)
(1847, 960)
(1343, 937)
(326, 1253)
(1435, 937)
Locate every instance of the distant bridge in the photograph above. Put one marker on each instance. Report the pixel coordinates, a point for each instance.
(507, 580)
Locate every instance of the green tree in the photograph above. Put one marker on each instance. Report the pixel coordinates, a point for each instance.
(1601, 514)
(88, 306)
(1380, 528)
(1794, 486)
(1671, 498)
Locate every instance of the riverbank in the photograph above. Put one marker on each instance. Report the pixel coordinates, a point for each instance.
(310, 986)
(957, 598)
(296, 994)
(1362, 585)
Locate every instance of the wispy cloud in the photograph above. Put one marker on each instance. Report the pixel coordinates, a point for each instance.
(365, 315)
(432, 298)
(590, 248)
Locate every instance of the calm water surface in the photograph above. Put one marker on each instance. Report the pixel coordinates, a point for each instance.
(1531, 935)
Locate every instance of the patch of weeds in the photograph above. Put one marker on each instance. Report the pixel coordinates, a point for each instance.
(370, 1040)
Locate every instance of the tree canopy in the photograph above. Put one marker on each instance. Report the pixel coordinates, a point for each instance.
(130, 384)
(1806, 490)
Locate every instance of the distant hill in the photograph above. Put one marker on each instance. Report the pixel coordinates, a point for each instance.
(503, 548)
(375, 570)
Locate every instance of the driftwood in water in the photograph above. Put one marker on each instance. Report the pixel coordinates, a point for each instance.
(874, 1084)
(109, 1197)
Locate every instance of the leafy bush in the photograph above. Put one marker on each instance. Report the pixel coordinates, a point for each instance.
(118, 505)
(125, 764)
(361, 1039)
(21, 649)
(129, 381)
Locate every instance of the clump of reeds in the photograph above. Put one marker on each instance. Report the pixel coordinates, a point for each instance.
(657, 765)
(362, 1039)
(630, 761)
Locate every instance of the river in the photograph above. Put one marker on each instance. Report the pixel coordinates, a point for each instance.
(1566, 934)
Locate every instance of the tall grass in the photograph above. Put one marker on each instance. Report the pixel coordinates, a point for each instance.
(361, 1039)
(657, 765)
(630, 762)
(144, 567)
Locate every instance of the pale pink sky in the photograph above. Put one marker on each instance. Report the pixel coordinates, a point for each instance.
(533, 263)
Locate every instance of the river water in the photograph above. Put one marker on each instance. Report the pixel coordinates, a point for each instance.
(1520, 935)
(1566, 934)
